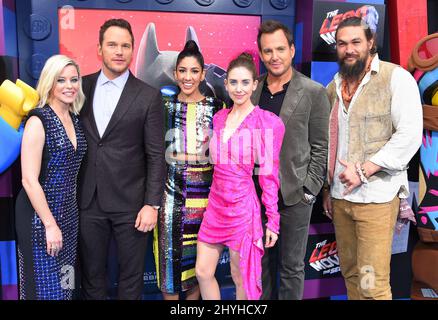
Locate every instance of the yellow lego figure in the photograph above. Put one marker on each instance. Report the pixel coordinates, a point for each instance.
(16, 100)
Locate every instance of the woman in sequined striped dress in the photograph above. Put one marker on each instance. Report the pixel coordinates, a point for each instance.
(46, 210)
(188, 123)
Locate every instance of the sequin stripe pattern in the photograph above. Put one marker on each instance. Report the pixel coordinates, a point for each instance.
(163, 239)
(191, 124)
(198, 181)
(204, 122)
(185, 196)
(59, 187)
(184, 203)
(22, 274)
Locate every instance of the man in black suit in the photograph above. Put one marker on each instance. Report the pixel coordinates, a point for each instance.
(122, 177)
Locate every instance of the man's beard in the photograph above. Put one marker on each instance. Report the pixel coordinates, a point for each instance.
(352, 71)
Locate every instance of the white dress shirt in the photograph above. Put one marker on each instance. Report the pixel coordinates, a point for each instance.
(106, 97)
(394, 156)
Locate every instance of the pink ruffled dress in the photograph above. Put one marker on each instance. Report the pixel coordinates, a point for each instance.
(233, 216)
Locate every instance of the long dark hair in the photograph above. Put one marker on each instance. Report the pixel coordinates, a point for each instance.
(191, 49)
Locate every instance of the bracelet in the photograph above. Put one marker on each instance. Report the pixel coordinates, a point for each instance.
(361, 172)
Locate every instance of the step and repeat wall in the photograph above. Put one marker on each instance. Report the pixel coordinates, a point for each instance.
(223, 29)
(10, 178)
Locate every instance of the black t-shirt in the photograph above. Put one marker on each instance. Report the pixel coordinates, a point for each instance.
(271, 102)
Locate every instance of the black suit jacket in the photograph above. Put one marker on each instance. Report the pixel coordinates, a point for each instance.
(127, 165)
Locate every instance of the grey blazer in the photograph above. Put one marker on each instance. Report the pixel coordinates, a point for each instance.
(303, 158)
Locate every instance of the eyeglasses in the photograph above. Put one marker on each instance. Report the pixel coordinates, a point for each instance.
(425, 54)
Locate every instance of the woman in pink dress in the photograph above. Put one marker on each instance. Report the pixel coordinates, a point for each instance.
(242, 136)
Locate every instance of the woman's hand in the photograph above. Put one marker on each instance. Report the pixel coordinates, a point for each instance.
(53, 240)
(271, 238)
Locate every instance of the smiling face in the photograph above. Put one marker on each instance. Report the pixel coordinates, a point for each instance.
(188, 75)
(240, 84)
(66, 87)
(276, 53)
(116, 51)
(353, 50)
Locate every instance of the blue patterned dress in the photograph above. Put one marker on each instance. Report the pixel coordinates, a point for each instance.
(43, 277)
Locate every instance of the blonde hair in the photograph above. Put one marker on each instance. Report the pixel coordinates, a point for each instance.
(50, 74)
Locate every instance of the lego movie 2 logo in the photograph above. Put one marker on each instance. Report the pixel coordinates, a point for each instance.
(333, 18)
(324, 258)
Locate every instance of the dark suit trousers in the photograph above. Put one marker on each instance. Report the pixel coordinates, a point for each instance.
(96, 228)
(287, 256)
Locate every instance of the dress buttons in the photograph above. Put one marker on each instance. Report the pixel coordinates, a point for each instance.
(100, 144)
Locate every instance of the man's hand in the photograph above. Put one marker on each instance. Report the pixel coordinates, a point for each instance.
(370, 168)
(349, 177)
(327, 203)
(146, 219)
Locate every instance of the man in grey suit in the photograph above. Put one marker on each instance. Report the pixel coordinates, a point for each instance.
(304, 107)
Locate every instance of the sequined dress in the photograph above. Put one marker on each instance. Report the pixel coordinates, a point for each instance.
(233, 216)
(43, 277)
(188, 131)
